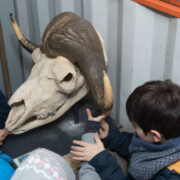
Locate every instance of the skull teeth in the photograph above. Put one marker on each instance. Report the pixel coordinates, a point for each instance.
(44, 116)
(51, 113)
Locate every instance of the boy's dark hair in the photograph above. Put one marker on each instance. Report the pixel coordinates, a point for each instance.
(156, 105)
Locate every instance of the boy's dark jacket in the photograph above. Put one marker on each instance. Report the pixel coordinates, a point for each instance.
(107, 167)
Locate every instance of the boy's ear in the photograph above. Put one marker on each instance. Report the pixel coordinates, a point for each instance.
(157, 137)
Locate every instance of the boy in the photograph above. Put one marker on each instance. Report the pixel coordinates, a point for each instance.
(153, 150)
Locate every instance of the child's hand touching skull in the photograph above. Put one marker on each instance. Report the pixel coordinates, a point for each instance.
(86, 151)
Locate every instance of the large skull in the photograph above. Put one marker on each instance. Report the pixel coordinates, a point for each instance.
(53, 86)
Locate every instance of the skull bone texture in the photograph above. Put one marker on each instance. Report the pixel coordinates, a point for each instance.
(70, 61)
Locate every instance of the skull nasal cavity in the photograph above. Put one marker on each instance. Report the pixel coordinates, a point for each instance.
(68, 77)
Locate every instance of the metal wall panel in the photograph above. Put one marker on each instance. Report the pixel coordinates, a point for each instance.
(141, 44)
(150, 41)
(11, 46)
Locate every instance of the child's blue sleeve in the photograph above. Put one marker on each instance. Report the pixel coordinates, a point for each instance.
(118, 141)
(107, 167)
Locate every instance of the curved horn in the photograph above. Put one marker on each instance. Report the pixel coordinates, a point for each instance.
(75, 38)
(23, 41)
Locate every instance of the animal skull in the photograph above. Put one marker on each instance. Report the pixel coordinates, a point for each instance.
(53, 86)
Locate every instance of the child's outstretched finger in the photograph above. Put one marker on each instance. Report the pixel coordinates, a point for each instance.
(78, 158)
(77, 148)
(77, 154)
(88, 111)
(105, 114)
(101, 117)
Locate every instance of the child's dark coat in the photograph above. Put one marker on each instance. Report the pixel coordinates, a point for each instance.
(107, 167)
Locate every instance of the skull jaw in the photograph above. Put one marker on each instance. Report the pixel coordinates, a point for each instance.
(33, 122)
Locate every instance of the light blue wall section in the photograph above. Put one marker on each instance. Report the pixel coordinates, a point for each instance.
(141, 44)
(150, 42)
(11, 46)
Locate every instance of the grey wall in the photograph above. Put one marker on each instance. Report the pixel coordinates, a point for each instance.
(141, 44)
(11, 46)
(150, 50)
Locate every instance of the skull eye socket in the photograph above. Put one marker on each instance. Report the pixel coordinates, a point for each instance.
(68, 77)
(68, 83)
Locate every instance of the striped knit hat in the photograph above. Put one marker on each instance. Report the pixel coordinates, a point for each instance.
(43, 164)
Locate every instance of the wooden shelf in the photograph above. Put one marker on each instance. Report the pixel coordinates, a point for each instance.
(161, 6)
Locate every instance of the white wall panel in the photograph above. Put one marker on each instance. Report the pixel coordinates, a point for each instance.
(176, 54)
(112, 47)
(87, 10)
(23, 18)
(11, 46)
(159, 45)
(99, 15)
(43, 15)
(141, 44)
(67, 5)
(57, 5)
(148, 50)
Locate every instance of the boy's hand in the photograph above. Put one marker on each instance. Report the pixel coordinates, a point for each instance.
(3, 134)
(104, 127)
(86, 151)
(98, 118)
